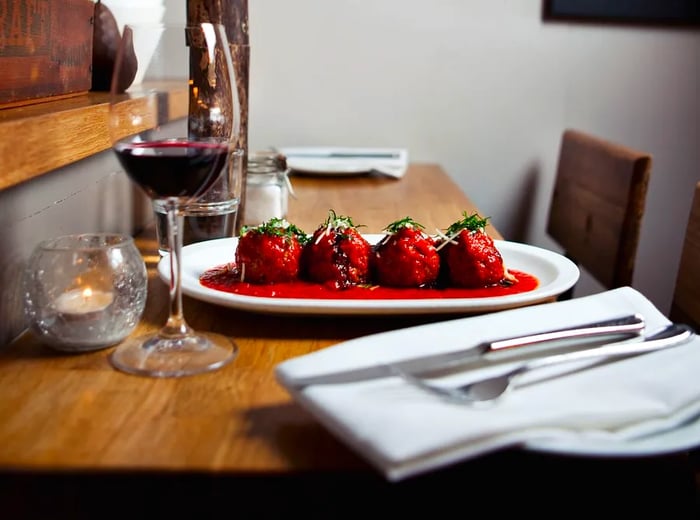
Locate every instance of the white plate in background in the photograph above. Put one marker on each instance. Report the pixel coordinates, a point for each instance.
(321, 160)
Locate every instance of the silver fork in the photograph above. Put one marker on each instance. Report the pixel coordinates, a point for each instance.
(623, 327)
(489, 389)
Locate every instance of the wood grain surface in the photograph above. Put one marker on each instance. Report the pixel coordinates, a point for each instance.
(40, 138)
(45, 49)
(79, 440)
(77, 412)
(597, 205)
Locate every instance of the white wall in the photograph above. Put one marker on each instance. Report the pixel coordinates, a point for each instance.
(485, 88)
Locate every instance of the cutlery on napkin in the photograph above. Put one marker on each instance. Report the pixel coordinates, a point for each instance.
(391, 162)
(404, 431)
(478, 355)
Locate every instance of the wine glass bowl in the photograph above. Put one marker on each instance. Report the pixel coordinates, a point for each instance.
(174, 133)
(179, 168)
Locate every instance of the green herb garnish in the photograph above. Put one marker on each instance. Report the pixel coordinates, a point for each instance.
(277, 227)
(406, 222)
(335, 221)
(473, 222)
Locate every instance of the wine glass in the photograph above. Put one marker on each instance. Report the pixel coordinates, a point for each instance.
(174, 131)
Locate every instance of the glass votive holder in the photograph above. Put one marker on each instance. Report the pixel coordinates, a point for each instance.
(84, 292)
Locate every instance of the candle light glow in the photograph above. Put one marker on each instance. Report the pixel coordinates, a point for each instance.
(83, 301)
(76, 295)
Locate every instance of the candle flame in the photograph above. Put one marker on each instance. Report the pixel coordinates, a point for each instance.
(87, 293)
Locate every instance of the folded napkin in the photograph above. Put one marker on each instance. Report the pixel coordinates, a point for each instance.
(392, 162)
(404, 431)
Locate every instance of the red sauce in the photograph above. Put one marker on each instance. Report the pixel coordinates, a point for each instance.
(225, 278)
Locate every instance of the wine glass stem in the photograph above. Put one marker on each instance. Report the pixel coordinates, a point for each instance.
(176, 325)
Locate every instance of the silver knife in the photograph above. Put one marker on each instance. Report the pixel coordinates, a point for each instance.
(625, 326)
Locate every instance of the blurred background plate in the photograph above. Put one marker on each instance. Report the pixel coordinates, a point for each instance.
(319, 160)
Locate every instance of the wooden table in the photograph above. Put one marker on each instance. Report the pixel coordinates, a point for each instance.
(73, 430)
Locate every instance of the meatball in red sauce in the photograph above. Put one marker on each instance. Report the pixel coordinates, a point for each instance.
(337, 255)
(406, 256)
(270, 253)
(470, 257)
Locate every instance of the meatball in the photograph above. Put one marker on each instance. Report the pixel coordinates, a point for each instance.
(470, 257)
(270, 253)
(337, 255)
(406, 256)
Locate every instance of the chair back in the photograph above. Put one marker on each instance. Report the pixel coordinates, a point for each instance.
(685, 305)
(597, 205)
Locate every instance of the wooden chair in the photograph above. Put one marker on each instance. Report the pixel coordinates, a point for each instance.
(685, 304)
(597, 206)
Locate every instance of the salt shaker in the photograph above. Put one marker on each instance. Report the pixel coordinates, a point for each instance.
(267, 188)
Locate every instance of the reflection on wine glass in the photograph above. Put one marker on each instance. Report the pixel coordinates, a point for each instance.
(174, 133)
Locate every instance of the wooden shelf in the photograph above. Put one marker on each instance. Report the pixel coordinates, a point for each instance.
(36, 139)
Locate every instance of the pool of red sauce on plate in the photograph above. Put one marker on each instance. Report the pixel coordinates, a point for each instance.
(224, 278)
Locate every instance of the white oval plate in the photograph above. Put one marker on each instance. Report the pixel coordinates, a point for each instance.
(555, 273)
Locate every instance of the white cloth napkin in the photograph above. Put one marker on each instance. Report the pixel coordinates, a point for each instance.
(403, 431)
(392, 162)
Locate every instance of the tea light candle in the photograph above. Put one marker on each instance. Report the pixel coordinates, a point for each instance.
(84, 292)
(83, 302)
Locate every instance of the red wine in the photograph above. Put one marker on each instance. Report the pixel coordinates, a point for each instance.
(173, 168)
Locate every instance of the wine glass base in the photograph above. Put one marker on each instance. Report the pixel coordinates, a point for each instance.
(157, 356)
